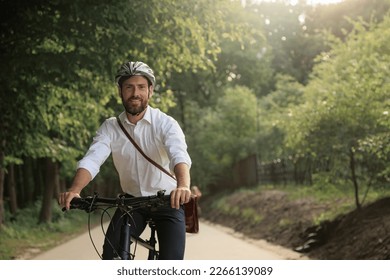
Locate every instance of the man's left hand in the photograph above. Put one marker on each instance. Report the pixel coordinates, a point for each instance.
(179, 196)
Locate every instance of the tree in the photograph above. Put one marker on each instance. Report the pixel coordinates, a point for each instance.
(225, 134)
(336, 18)
(274, 111)
(286, 28)
(244, 60)
(345, 105)
(60, 59)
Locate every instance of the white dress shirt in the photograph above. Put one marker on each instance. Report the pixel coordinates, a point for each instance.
(159, 136)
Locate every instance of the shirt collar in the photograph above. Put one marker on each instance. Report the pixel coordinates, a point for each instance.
(147, 117)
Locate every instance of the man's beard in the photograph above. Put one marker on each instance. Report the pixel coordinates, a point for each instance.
(134, 109)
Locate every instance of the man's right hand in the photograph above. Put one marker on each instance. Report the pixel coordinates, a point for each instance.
(80, 180)
(65, 198)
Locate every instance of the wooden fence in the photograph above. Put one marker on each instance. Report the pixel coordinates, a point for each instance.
(251, 171)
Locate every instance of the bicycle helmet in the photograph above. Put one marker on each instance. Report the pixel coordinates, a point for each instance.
(130, 68)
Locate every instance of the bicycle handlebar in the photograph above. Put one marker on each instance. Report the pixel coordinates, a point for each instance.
(91, 203)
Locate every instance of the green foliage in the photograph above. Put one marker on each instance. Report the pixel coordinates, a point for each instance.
(243, 59)
(236, 75)
(22, 231)
(346, 104)
(334, 18)
(292, 42)
(274, 112)
(59, 80)
(224, 134)
(324, 195)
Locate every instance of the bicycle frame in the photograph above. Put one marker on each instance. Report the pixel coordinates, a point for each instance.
(90, 204)
(126, 237)
(153, 253)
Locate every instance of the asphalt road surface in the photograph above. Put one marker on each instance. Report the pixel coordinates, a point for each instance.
(213, 242)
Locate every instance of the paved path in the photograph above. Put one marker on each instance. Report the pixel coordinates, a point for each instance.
(213, 242)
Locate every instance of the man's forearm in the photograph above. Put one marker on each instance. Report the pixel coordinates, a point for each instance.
(182, 173)
(80, 180)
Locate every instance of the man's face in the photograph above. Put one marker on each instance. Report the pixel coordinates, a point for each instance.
(135, 94)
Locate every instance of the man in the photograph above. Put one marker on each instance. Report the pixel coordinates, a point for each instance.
(161, 138)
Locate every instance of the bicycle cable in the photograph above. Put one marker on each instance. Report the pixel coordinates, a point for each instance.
(89, 227)
(106, 206)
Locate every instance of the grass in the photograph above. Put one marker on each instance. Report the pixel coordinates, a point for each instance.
(343, 197)
(22, 234)
(248, 214)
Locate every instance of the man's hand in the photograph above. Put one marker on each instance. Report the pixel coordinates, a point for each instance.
(179, 196)
(182, 193)
(80, 180)
(65, 198)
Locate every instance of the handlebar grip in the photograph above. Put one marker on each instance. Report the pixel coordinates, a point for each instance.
(71, 207)
(77, 203)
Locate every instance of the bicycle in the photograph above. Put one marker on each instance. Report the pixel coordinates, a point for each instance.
(127, 204)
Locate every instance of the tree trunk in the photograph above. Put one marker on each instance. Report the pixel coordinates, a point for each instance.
(28, 175)
(353, 177)
(11, 187)
(51, 183)
(62, 186)
(309, 170)
(39, 171)
(2, 214)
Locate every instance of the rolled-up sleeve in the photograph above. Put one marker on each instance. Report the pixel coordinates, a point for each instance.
(176, 146)
(97, 153)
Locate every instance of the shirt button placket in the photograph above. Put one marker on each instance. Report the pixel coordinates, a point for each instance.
(140, 165)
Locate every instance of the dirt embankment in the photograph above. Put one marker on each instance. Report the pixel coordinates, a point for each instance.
(271, 215)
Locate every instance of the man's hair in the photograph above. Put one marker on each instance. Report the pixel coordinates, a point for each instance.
(124, 78)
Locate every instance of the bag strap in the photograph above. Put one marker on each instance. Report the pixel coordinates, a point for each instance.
(140, 150)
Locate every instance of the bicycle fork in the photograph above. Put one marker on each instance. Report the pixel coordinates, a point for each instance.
(153, 254)
(125, 241)
(124, 253)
